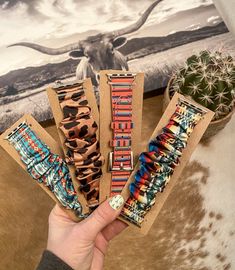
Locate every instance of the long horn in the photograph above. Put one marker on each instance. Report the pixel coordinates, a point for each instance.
(50, 51)
(135, 26)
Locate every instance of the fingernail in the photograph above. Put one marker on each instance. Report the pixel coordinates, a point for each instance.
(116, 202)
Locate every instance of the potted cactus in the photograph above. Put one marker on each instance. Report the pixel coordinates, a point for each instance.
(209, 79)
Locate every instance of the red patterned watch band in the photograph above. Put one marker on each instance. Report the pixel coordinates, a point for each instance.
(121, 158)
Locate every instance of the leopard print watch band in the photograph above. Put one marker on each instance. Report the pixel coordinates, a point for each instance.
(79, 129)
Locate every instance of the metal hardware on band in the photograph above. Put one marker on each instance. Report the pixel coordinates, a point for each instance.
(119, 84)
(15, 130)
(121, 168)
(125, 75)
(58, 85)
(193, 105)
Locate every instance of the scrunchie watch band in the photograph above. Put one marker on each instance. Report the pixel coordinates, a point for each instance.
(157, 165)
(45, 167)
(79, 129)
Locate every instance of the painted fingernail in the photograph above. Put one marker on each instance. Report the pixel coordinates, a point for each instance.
(116, 202)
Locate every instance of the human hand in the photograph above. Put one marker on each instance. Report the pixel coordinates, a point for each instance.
(83, 245)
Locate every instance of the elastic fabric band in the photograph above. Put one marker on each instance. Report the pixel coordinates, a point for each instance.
(158, 164)
(79, 129)
(45, 167)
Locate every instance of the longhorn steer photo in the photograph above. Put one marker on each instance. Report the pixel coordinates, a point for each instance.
(97, 52)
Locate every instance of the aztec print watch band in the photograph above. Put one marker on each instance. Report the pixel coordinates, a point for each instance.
(44, 166)
(79, 129)
(157, 165)
(121, 158)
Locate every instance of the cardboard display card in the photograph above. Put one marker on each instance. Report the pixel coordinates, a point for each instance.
(106, 133)
(47, 139)
(58, 116)
(193, 140)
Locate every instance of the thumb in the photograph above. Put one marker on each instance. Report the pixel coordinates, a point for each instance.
(107, 212)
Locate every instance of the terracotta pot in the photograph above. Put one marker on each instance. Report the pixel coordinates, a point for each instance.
(214, 126)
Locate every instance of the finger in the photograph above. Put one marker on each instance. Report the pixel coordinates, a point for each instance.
(98, 260)
(59, 215)
(108, 233)
(113, 229)
(58, 211)
(107, 212)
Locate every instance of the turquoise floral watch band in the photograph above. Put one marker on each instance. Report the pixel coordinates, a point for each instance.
(45, 167)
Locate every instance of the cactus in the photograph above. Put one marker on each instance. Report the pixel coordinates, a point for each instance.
(209, 79)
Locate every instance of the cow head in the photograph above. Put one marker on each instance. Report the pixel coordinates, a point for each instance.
(100, 51)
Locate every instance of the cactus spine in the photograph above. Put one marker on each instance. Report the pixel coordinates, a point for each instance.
(209, 79)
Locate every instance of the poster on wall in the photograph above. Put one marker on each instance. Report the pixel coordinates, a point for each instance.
(55, 40)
